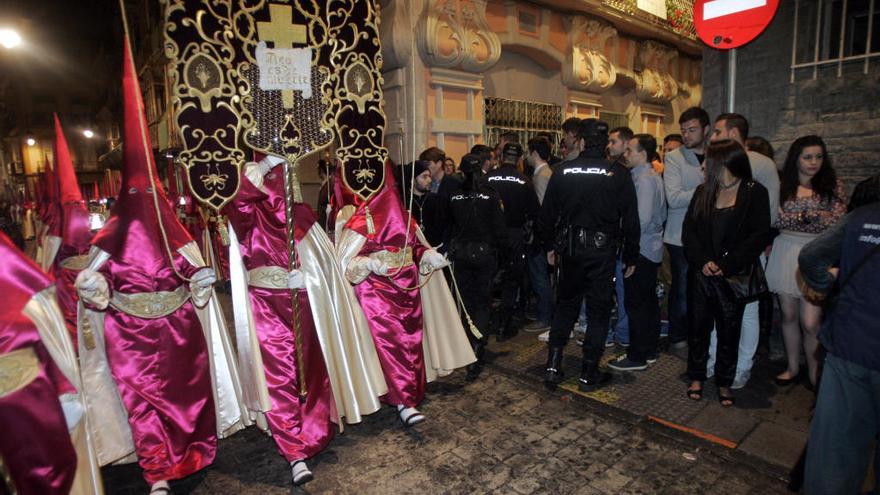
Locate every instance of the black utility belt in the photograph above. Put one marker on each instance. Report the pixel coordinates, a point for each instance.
(572, 237)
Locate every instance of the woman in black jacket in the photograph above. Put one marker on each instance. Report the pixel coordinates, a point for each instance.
(726, 227)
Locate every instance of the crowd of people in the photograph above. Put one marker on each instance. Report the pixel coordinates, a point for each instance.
(597, 223)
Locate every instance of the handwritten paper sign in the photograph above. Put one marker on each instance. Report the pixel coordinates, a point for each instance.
(285, 69)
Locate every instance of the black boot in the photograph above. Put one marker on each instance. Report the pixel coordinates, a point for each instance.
(474, 369)
(506, 331)
(554, 374)
(592, 378)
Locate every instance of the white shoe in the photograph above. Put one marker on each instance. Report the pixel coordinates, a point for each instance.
(545, 337)
(410, 416)
(160, 488)
(301, 473)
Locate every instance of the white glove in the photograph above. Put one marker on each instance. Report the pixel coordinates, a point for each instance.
(432, 260)
(72, 409)
(268, 163)
(204, 278)
(378, 267)
(92, 288)
(200, 286)
(296, 280)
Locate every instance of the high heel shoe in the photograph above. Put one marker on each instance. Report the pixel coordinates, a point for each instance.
(784, 382)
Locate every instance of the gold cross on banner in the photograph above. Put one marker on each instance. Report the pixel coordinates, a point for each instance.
(281, 31)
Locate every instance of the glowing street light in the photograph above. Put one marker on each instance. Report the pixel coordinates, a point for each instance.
(88, 134)
(9, 38)
(31, 141)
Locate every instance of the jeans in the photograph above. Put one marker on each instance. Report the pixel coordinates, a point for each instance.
(588, 271)
(644, 310)
(748, 344)
(621, 329)
(540, 277)
(750, 335)
(711, 301)
(678, 293)
(845, 424)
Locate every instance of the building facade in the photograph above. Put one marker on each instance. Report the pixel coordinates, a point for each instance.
(458, 72)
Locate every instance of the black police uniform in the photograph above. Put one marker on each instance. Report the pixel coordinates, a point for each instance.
(521, 209)
(477, 235)
(589, 212)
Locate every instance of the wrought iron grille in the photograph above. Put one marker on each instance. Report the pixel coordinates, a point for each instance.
(679, 15)
(525, 118)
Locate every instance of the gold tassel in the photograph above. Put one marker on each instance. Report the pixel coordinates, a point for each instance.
(223, 230)
(371, 228)
(88, 334)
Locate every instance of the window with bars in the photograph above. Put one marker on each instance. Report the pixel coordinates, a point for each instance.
(834, 32)
(614, 119)
(524, 118)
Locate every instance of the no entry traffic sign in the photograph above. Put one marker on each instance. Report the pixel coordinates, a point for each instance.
(726, 24)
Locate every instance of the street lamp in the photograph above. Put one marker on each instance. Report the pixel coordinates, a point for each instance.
(88, 133)
(9, 38)
(31, 141)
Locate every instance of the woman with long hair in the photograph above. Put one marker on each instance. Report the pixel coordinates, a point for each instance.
(725, 228)
(477, 232)
(811, 199)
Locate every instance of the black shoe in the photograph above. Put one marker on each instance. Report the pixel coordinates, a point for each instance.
(553, 373)
(784, 382)
(473, 371)
(594, 381)
(624, 363)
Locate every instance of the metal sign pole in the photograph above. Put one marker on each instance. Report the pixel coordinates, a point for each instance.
(731, 80)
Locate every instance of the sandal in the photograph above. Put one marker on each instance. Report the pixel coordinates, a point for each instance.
(694, 393)
(726, 400)
(410, 416)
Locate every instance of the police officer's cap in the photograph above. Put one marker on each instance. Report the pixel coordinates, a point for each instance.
(594, 132)
(470, 164)
(511, 153)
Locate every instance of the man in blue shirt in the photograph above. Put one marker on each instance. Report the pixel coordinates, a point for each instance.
(845, 422)
(642, 304)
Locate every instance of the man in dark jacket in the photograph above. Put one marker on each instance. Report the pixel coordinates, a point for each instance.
(589, 210)
(520, 210)
(845, 423)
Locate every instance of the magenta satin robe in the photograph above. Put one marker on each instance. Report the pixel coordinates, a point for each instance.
(393, 312)
(161, 369)
(34, 440)
(75, 239)
(300, 430)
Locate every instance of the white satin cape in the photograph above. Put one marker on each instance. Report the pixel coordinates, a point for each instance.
(44, 312)
(107, 415)
(444, 341)
(353, 367)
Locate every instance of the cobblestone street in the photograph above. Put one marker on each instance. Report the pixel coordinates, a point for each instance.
(501, 434)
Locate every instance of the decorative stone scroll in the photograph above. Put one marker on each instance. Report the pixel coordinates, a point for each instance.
(454, 34)
(654, 84)
(586, 67)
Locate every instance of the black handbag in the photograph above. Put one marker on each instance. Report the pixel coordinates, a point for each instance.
(748, 285)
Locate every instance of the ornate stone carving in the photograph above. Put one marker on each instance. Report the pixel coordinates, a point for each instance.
(454, 33)
(654, 83)
(396, 34)
(586, 67)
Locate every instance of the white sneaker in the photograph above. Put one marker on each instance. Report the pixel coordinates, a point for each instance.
(545, 337)
(300, 472)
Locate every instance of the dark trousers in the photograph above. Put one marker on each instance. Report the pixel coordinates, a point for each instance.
(711, 303)
(513, 274)
(643, 309)
(845, 424)
(540, 277)
(475, 286)
(587, 271)
(678, 294)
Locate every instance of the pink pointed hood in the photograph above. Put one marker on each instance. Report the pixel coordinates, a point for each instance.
(75, 233)
(142, 213)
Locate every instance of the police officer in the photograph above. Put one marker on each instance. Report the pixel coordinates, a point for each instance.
(520, 211)
(589, 212)
(477, 234)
